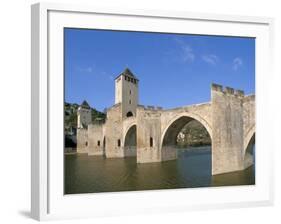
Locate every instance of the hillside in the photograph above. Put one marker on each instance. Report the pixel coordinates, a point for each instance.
(70, 118)
(193, 134)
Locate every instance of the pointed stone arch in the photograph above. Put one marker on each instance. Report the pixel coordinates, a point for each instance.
(249, 137)
(130, 141)
(171, 131)
(187, 117)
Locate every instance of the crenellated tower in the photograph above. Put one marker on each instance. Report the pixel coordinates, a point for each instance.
(84, 117)
(227, 129)
(126, 93)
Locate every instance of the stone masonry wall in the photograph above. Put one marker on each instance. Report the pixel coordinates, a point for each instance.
(113, 132)
(148, 131)
(95, 139)
(249, 126)
(227, 127)
(249, 117)
(82, 140)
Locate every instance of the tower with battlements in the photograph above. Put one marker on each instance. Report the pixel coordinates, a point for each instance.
(84, 117)
(126, 93)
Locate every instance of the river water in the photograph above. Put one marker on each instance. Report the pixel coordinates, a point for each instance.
(91, 174)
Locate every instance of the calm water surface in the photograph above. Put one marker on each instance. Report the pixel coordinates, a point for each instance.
(90, 174)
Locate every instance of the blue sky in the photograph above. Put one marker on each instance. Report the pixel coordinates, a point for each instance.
(174, 69)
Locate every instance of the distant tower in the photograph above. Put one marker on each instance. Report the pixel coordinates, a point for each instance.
(126, 92)
(84, 117)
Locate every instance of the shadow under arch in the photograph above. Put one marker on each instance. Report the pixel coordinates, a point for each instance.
(249, 152)
(169, 135)
(249, 138)
(130, 141)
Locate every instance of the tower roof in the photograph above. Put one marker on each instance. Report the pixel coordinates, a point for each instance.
(85, 105)
(127, 72)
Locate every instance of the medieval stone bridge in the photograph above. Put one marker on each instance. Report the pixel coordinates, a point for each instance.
(150, 133)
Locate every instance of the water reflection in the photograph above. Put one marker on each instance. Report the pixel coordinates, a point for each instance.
(89, 174)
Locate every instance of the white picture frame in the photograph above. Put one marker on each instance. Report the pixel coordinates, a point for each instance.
(48, 201)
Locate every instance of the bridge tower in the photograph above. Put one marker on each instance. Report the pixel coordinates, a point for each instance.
(227, 129)
(84, 117)
(126, 93)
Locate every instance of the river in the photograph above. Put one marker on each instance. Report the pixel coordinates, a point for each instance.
(91, 174)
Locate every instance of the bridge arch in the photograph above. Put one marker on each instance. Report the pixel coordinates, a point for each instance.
(249, 138)
(249, 152)
(130, 141)
(178, 122)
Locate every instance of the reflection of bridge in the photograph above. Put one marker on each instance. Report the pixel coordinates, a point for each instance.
(150, 133)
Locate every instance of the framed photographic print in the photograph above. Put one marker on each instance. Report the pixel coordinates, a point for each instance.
(148, 111)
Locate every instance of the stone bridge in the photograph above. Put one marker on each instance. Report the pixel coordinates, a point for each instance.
(151, 134)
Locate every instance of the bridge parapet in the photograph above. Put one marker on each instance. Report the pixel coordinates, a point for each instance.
(239, 93)
(187, 108)
(114, 106)
(249, 98)
(152, 108)
(227, 90)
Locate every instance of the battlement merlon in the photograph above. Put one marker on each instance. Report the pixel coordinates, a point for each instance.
(150, 108)
(239, 93)
(217, 87)
(227, 90)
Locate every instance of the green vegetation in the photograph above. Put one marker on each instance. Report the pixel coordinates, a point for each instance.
(70, 118)
(98, 116)
(193, 134)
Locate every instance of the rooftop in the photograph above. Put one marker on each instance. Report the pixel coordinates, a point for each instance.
(127, 72)
(85, 105)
